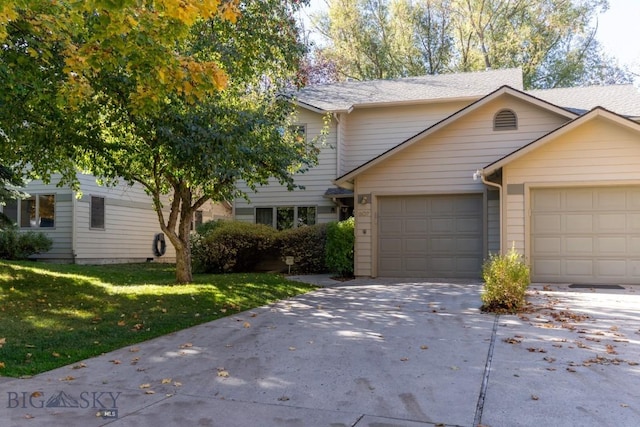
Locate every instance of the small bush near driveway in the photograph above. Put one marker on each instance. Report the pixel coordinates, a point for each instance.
(506, 278)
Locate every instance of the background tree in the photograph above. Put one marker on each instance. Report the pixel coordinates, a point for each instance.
(186, 111)
(551, 40)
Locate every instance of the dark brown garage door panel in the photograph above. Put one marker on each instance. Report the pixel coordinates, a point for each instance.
(430, 236)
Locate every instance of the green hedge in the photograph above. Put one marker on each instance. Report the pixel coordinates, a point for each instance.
(339, 250)
(307, 245)
(232, 247)
(20, 245)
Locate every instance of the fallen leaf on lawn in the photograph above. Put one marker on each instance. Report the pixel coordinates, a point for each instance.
(166, 380)
(55, 354)
(36, 394)
(3, 341)
(149, 392)
(246, 325)
(137, 327)
(1, 365)
(121, 323)
(424, 347)
(145, 385)
(115, 361)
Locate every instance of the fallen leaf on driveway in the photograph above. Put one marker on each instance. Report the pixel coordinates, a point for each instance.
(611, 349)
(283, 398)
(166, 380)
(149, 392)
(404, 359)
(145, 385)
(424, 347)
(246, 325)
(513, 340)
(534, 397)
(223, 374)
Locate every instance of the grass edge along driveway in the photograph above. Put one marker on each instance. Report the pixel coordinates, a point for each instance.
(52, 315)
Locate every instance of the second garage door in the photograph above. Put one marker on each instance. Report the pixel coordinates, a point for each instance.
(430, 236)
(586, 235)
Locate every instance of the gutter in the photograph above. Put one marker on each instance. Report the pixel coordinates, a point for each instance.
(480, 174)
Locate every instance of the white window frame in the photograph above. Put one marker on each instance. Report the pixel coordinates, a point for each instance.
(37, 222)
(274, 215)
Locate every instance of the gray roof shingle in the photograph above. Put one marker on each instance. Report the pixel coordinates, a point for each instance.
(344, 96)
(620, 99)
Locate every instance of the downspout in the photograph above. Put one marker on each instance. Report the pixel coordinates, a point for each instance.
(336, 117)
(480, 174)
(74, 223)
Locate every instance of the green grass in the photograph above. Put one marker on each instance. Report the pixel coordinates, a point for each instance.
(53, 315)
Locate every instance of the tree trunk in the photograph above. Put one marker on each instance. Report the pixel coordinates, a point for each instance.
(183, 264)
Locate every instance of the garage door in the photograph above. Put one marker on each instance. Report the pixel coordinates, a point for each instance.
(586, 235)
(430, 236)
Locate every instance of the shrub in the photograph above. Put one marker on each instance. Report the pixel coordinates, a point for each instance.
(339, 248)
(307, 245)
(232, 247)
(506, 279)
(17, 245)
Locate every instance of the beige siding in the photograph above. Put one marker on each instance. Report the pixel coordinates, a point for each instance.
(597, 153)
(372, 131)
(130, 225)
(444, 161)
(316, 180)
(62, 232)
(493, 226)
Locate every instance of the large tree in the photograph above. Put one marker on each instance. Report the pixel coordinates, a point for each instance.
(185, 111)
(551, 40)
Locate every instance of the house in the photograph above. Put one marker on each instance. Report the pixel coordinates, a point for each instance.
(441, 171)
(106, 225)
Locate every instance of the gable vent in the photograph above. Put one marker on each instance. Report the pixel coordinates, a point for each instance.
(505, 120)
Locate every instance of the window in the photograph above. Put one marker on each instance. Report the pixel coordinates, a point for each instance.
(34, 211)
(197, 221)
(96, 215)
(286, 217)
(505, 120)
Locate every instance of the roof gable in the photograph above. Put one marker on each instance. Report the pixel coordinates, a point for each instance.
(595, 113)
(503, 91)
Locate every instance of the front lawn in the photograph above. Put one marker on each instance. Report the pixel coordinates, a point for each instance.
(53, 315)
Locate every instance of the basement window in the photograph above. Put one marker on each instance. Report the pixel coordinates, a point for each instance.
(505, 120)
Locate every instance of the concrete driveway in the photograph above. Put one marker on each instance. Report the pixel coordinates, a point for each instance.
(364, 353)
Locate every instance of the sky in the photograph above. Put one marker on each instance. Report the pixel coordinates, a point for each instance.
(618, 31)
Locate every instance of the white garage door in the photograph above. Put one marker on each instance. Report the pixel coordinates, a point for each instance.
(586, 235)
(430, 236)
